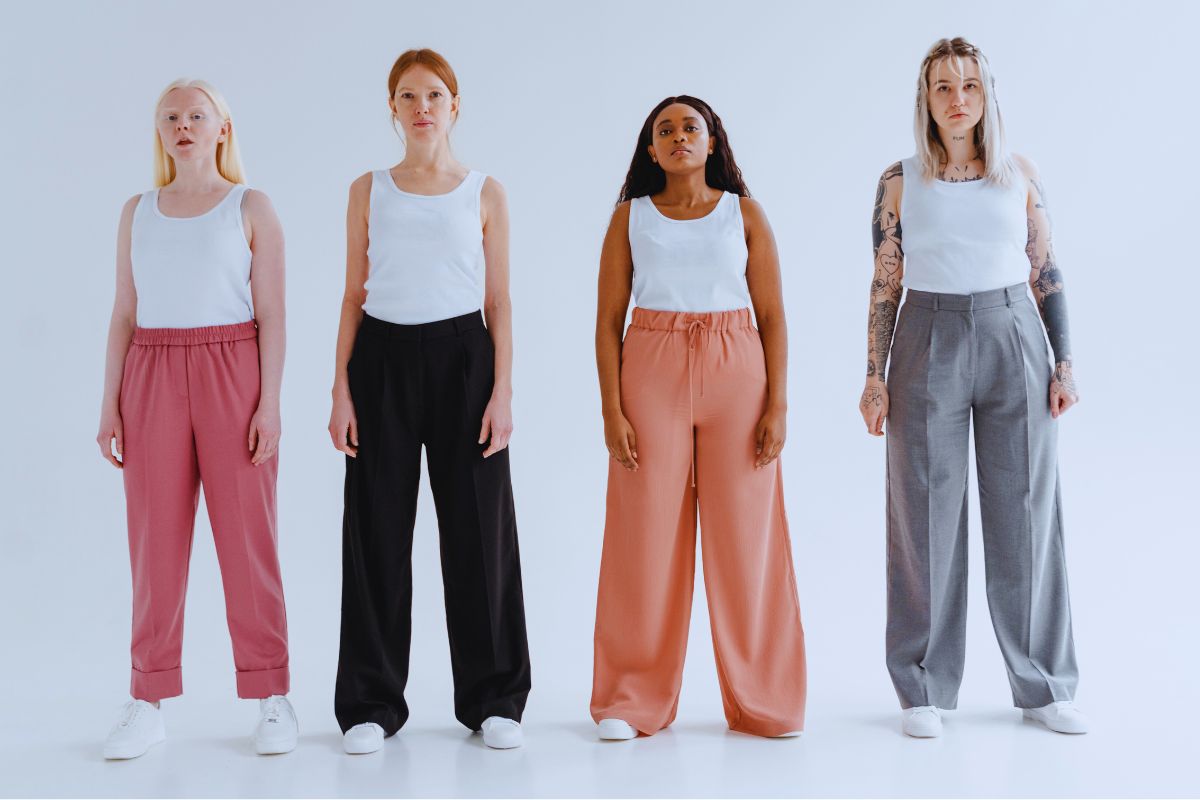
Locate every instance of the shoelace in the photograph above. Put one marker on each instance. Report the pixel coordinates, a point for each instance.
(130, 713)
(271, 708)
(695, 329)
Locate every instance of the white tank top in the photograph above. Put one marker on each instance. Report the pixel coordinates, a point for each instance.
(191, 272)
(696, 265)
(962, 238)
(425, 252)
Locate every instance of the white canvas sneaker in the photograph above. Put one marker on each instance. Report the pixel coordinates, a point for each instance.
(501, 733)
(615, 730)
(277, 728)
(139, 728)
(366, 737)
(922, 722)
(1060, 716)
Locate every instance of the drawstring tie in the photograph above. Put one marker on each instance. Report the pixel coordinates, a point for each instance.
(695, 328)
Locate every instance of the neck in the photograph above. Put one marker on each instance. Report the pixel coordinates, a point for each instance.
(688, 188)
(428, 156)
(959, 146)
(197, 175)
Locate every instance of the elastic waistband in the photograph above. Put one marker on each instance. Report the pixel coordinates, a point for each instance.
(1017, 293)
(426, 330)
(186, 336)
(689, 321)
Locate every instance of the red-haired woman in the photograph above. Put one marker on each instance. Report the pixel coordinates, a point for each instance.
(419, 364)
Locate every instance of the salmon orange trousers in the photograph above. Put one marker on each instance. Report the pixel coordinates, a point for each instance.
(694, 388)
(187, 399)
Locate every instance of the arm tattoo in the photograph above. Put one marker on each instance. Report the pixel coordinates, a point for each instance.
(886, 236)
(1047, 283)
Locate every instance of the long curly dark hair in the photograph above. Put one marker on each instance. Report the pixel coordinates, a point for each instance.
(720, 171)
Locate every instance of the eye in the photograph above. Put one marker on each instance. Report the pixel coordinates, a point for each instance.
(197, 116)
(170, 117)
(972, 85)
(435, 93)
(692, 128)
(943, 88)
(406, 95)
(664, 131)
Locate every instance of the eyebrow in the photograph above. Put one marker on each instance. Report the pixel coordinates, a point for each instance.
(409, 88)
(671, 122)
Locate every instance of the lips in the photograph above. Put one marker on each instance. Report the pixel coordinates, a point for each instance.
(680, 151)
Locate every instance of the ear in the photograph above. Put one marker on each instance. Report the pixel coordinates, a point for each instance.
(455, 103)
(712, 141)
(392, 106)
(650, 150)
(226, 129)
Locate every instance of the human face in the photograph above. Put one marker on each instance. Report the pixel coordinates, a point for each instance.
(422, 104)
(955, 101)
(189, 126)
(679, 140)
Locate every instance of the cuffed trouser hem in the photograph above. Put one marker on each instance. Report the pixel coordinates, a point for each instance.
(155, 686)
(259, 683)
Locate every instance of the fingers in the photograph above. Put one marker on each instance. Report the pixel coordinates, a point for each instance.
(772, 446)
(631, 441)
(252, 437)
(268, 446)
(624, 455)
(1055, 400)
(345, 437)
(485, 429)
(105, 443)
(120, 437)
(500, 439)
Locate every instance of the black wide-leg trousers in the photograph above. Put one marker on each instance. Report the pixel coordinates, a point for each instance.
(428, 385)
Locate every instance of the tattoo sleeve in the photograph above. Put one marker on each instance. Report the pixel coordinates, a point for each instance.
(889, 269)
(1045, 278)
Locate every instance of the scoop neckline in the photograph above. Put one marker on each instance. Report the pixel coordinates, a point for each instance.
(720, 200)
(218, 204)
(392, 182)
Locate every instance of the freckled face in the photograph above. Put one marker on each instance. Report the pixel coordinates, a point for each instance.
(189, 126)
(955, 100)
(422, 103)
(679, 141)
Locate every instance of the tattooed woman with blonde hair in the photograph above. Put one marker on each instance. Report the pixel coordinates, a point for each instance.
(962, 225)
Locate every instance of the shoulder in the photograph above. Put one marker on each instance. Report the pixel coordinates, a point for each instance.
(362, 184)
(752, 210)
(895, 170)
(492, 190)
(1025, 166)
(255, 201)
(130, 206)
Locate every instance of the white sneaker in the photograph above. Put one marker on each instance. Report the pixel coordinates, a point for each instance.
(139, 728)
(502, 733)
(616, 729)
(1061, 716)
(366, 737)
(788, 735)
(922, 722)
(277, 728)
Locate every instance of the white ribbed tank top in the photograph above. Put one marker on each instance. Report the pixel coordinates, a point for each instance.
(191, 272)
(425, 251)
(962, 238)
(696, 265)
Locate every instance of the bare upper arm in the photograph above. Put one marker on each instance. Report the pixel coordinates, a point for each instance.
(763, 277)
(125, 300)
(493, 211)
(263, 229)
(358, 212)
(616, 263)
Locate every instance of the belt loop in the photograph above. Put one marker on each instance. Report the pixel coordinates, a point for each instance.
(937, 301)
(1008, 300)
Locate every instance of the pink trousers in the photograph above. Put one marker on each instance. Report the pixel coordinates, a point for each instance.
(187, 398)
(694, 387)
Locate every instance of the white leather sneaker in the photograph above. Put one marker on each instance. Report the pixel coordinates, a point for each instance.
(502, 733)
(277, 728)
(616, 729)
(1060, 716)
(366, 737)
(922, 722)
(139, 728)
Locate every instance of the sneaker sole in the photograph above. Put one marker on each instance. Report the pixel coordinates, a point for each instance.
(1034, 718)
(117, 754)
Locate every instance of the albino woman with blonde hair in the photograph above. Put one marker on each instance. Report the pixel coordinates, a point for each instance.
(962, 226)
(191, 397)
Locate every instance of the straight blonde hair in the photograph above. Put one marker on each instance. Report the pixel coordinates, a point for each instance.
(988, 135)
(229, 159)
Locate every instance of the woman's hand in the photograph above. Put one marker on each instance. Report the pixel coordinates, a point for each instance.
(769, 436)
(343, 424)
(621, 440)
(1063, 393)
(497, 425)
(874, 405)
(265, 431)
(110, 429)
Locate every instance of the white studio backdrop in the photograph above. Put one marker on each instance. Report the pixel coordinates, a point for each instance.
(817, 99)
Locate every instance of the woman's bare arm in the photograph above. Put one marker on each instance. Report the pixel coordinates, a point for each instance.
(886, 289)
(615, 288)
(766, 293)
(120, 334)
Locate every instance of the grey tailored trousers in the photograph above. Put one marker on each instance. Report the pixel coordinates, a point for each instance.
(956, 358)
